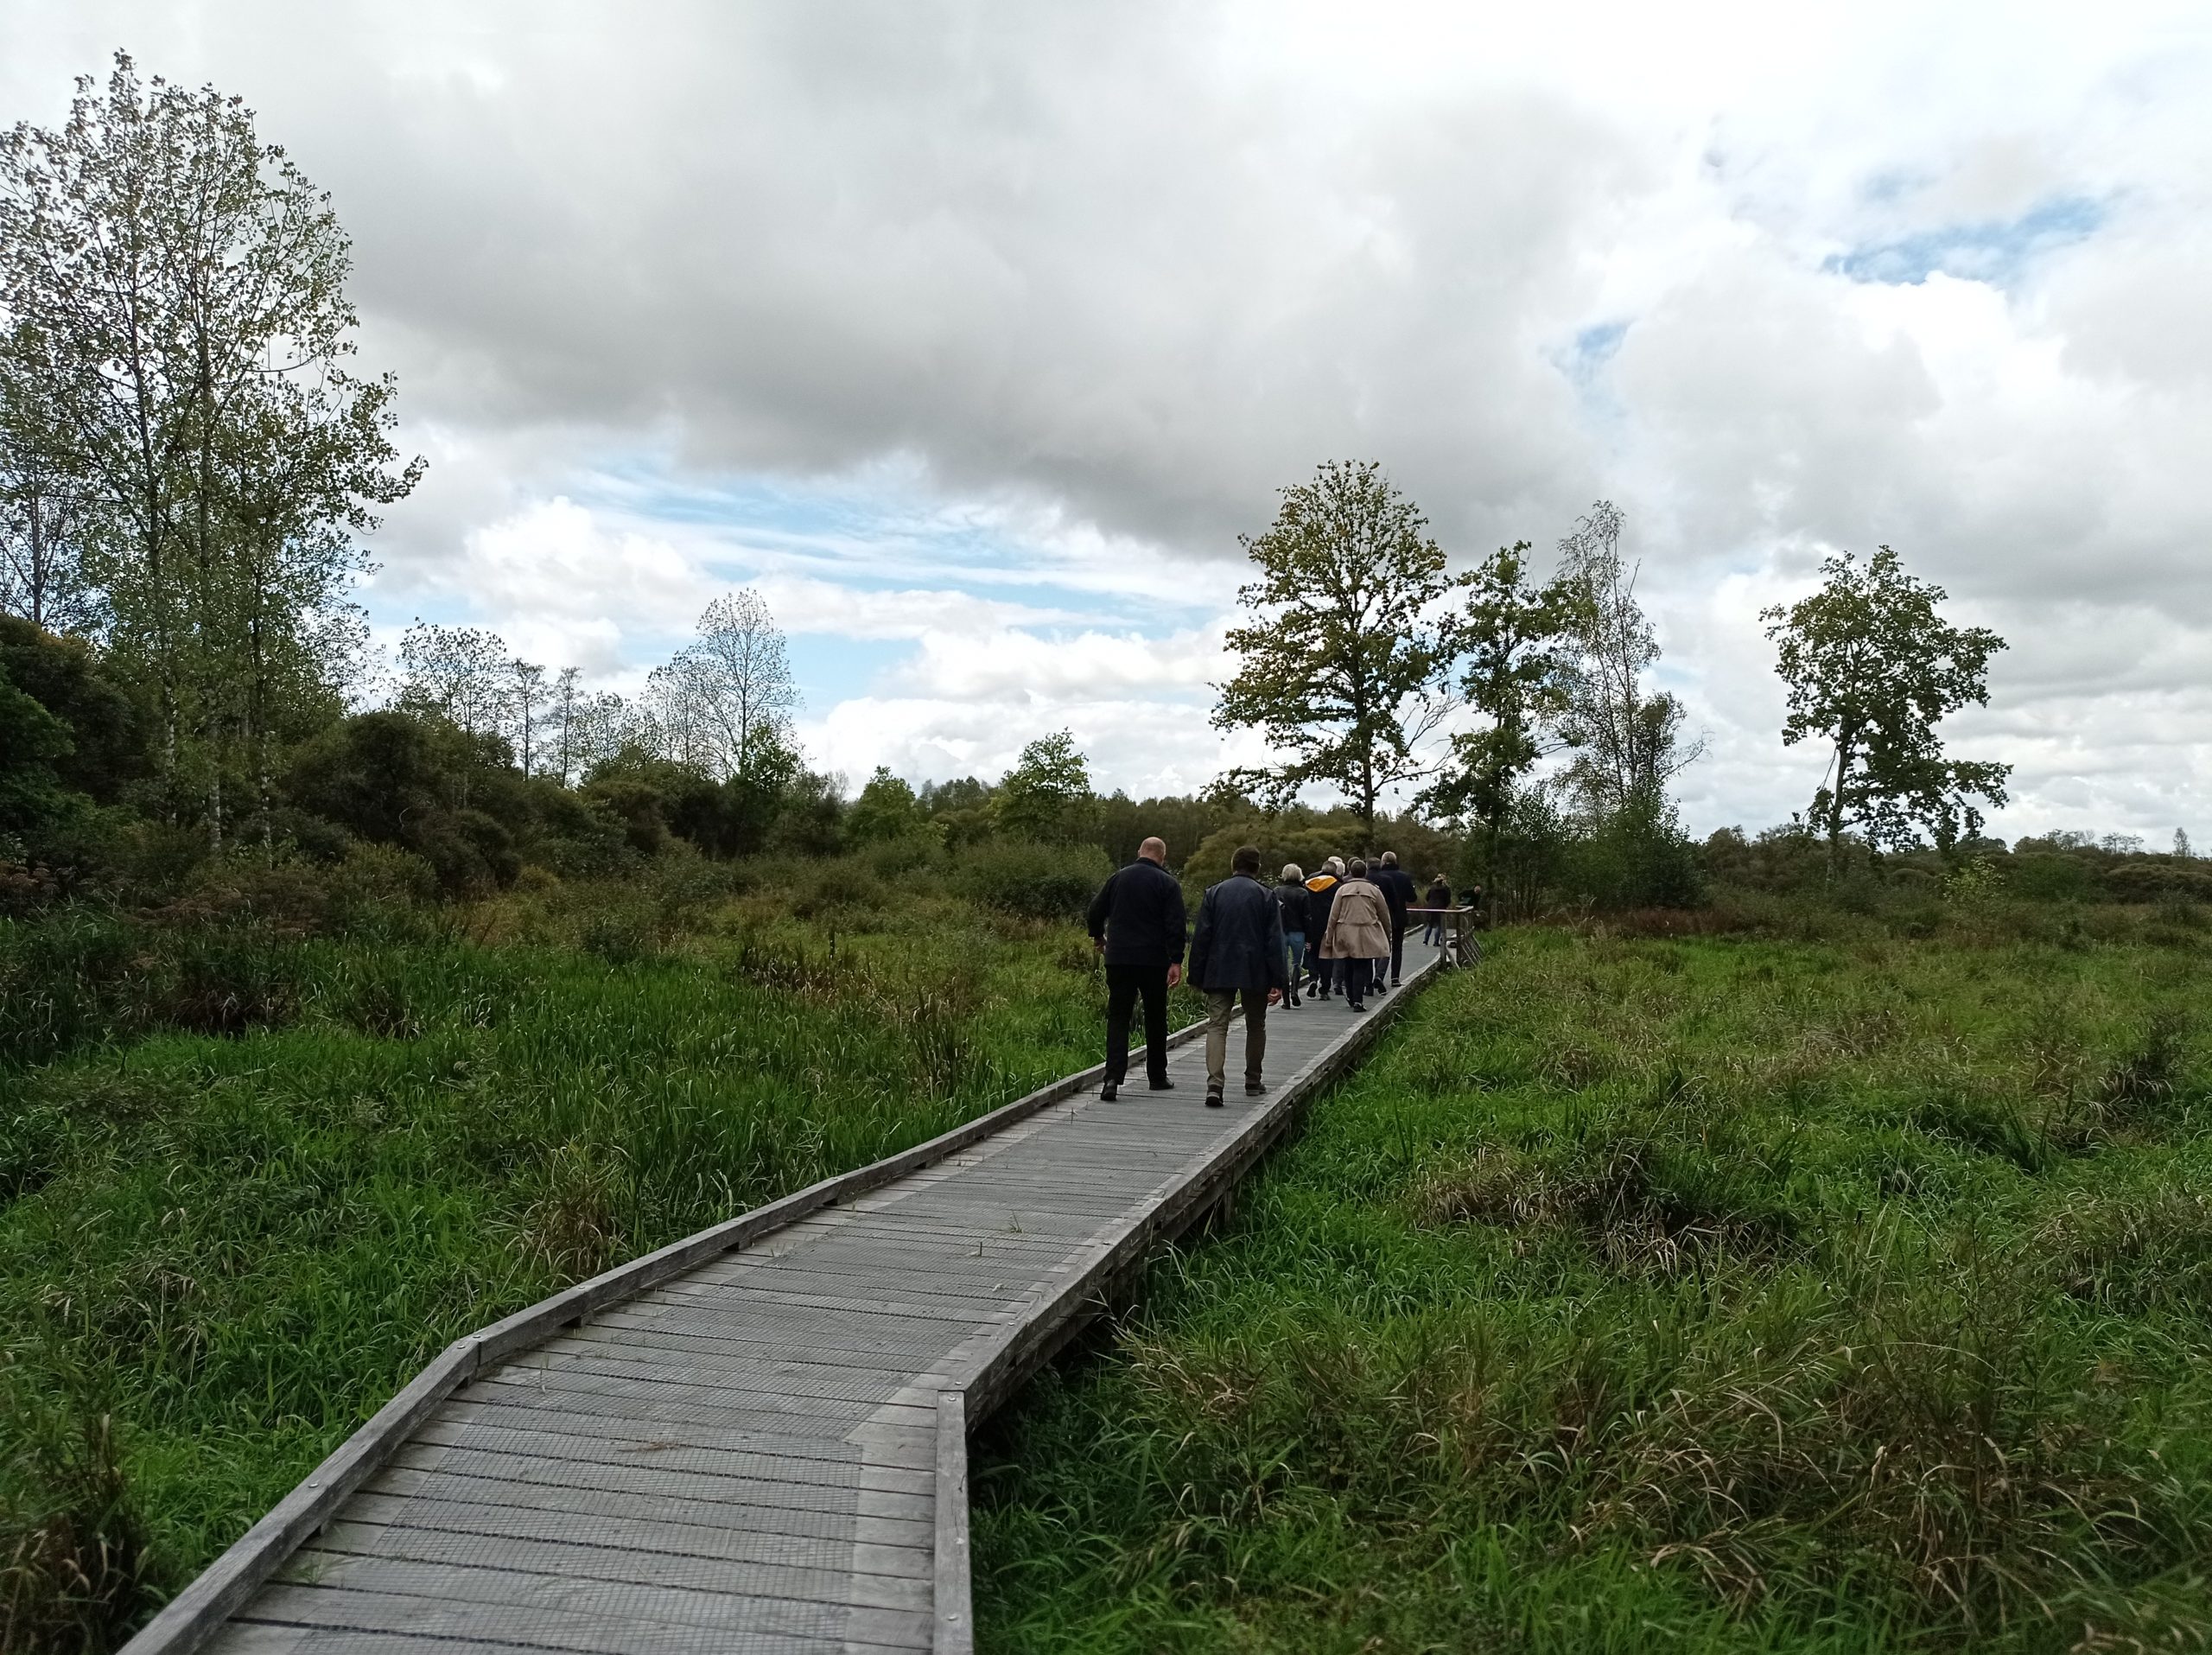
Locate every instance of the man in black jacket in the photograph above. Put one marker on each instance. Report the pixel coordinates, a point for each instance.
(1399, 892)
(1238, 948)
(1137, 920)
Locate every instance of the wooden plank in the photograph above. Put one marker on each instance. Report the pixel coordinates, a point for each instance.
(891, 1234)
(647, 1503)
(724, 1370)
(664, 1532)
(247, 1638)
(570, 1560)
(763, 1458)
(963, 1283)
(915, 1247)
(936, 1283)
(765, 1320)
(524, 1476)
(782, 1434)
(952, 1596)
(720, 1300)
(623, 1397)
(592, 1616)
(800, 1347)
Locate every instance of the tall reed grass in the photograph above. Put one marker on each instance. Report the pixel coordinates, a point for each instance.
(1698, 1295)
(254, 1173)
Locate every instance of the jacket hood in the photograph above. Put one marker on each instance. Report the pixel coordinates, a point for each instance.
(1320, 882)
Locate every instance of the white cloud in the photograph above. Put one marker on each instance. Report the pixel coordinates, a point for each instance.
(1039, 308)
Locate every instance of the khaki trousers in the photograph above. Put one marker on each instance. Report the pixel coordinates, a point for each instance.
(1220, 1006)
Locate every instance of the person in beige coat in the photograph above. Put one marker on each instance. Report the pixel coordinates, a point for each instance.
(1358, 934)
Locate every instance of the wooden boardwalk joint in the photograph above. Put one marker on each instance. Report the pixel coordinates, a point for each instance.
(756, 1438)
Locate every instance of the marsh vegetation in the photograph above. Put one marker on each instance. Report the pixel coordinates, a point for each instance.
(1811, 1286)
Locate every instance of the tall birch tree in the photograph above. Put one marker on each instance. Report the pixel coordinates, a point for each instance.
(188, 284)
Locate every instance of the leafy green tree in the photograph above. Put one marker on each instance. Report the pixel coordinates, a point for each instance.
(887, 809)
(464, 674)
(1342, 661)
(32, 740)
(959, 811)
(1871, 669)
(106, 727)
(1517, 641)
(1045, 796)
(185, 285)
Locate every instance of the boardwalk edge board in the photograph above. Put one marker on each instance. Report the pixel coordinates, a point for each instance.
(952, 1599)
(189, 1618)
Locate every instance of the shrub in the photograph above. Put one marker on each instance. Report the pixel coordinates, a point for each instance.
(1036, 882)
(2149, 881)
(2050, 878)
(900, 858)
(370, 876)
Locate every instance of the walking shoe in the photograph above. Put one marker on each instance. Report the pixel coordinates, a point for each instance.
(1254, 1088)
(1358, 1005)
(1396, 983)
(1213, 1101)
(1106, 1093)
(1163, 1085)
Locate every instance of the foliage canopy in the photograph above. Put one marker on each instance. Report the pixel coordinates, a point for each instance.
(1873, 668)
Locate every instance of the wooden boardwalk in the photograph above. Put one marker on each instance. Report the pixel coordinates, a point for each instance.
(755, 1440)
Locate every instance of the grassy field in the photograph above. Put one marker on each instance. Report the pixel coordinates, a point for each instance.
(257, 1178)
(1705, 1294)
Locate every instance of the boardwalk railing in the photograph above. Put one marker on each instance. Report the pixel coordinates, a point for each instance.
(1459, 925)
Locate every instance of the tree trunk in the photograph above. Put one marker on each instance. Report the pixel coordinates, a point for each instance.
(1845, 742)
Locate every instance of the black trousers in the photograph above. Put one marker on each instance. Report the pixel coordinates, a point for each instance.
(1397, 949)
(1123, 984)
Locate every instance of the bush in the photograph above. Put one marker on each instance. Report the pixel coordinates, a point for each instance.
(1035, 882)
(377, 875)
(901, 858)
(2147, 880)
(2050, 878)
(1636, 858)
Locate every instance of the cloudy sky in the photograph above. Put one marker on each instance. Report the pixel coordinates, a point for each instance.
(974, 336)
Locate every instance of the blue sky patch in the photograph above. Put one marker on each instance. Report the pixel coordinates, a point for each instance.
(1997, 251)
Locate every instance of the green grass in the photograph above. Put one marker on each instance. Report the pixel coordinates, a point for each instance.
(1689, 1296)
(220, 1252)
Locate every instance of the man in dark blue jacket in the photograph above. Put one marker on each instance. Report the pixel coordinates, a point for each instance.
(1137, 921)
(1401, 892)
(1238, 948)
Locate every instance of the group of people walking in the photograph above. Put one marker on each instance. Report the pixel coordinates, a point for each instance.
(1345, 927)
(1341, 931)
